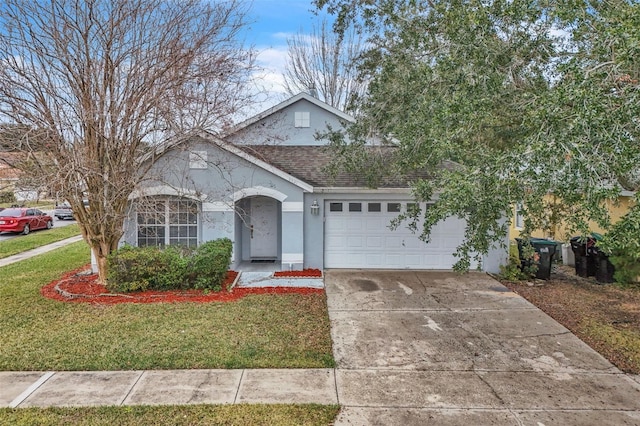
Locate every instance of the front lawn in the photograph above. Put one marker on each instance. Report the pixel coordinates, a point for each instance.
(261, 331)
(37, 239)
(242, 414)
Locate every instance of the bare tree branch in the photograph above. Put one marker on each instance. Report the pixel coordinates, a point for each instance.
(325, 64)
(100, 82)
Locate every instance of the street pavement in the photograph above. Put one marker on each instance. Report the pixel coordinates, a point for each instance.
(412, 348)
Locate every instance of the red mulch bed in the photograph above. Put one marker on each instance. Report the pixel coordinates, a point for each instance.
(305, 273)
(80, 286)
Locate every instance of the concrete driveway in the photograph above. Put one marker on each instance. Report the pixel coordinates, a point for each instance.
(446, 349)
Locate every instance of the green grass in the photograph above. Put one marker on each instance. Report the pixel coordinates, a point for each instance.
(37, 239)
(42, 204)
(621, 346)
(242, 414)
(266, 331)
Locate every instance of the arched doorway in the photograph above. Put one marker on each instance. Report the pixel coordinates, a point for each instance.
(259, 225)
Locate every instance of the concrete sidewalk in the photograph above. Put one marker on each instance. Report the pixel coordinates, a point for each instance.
(168, 387)
(36, 251)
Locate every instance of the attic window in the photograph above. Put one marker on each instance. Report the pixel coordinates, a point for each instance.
(198, 160)
(302, 119)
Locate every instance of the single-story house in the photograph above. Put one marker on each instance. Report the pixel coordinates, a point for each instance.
(264, 186)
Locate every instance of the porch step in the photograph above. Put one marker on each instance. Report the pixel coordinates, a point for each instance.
(266, 279)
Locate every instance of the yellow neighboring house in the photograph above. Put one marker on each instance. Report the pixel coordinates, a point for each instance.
(616, 211)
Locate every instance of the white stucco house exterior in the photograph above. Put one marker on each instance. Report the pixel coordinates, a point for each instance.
(265, 187)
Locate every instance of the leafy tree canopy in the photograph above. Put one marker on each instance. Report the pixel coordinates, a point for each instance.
(538, 102)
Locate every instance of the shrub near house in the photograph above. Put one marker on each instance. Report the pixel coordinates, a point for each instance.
(171, 268)
(623, 248)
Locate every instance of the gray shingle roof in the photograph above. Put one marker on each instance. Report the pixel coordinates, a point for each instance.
(310, 164)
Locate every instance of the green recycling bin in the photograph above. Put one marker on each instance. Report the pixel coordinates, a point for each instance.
(545, 249)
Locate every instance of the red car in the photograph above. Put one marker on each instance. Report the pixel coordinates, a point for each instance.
(24, 220)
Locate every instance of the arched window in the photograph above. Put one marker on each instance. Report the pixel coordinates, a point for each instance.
(167, 221)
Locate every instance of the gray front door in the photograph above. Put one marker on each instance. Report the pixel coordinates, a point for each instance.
(264, 227)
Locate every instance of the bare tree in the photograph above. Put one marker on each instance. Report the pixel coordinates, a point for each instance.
(99, 83)
(324, 64)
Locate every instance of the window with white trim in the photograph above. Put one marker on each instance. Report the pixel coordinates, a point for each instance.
(164, 222)
(335, 207)
(519, 217)
(355, 207)
(393, 207)
(374, 207)
(302, 119)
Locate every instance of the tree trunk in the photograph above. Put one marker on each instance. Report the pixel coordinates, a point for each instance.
(101, 264)
(101, 247)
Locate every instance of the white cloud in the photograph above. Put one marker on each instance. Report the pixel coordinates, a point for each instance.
(273, 57)
(282, 35)
(268, 78)
(272, 62)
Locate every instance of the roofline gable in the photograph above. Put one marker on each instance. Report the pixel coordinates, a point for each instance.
(217, 141)
(256, 161)
(283, 105)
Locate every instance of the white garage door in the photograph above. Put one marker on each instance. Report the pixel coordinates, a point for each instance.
(357, 235)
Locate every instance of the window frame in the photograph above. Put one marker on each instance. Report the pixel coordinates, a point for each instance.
(302, 119)
(374, 207)
(518, 221)
(397, 207)
(167, 226)
(355, 207)
(335, 204)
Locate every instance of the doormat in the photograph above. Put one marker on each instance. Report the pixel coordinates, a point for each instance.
(263, 261)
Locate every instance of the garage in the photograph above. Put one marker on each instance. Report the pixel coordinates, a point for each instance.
(357, 235)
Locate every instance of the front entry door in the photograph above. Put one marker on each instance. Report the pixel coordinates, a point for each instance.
(264, 228)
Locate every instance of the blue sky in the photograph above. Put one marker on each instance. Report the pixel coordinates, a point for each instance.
(271, 22)
(275, 17)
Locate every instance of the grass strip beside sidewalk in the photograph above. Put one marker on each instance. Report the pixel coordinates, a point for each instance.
(37, 239)
(239, 415)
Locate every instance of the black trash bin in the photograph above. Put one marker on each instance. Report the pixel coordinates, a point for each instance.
(545, 249)
(583, 251)
(604, 268)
